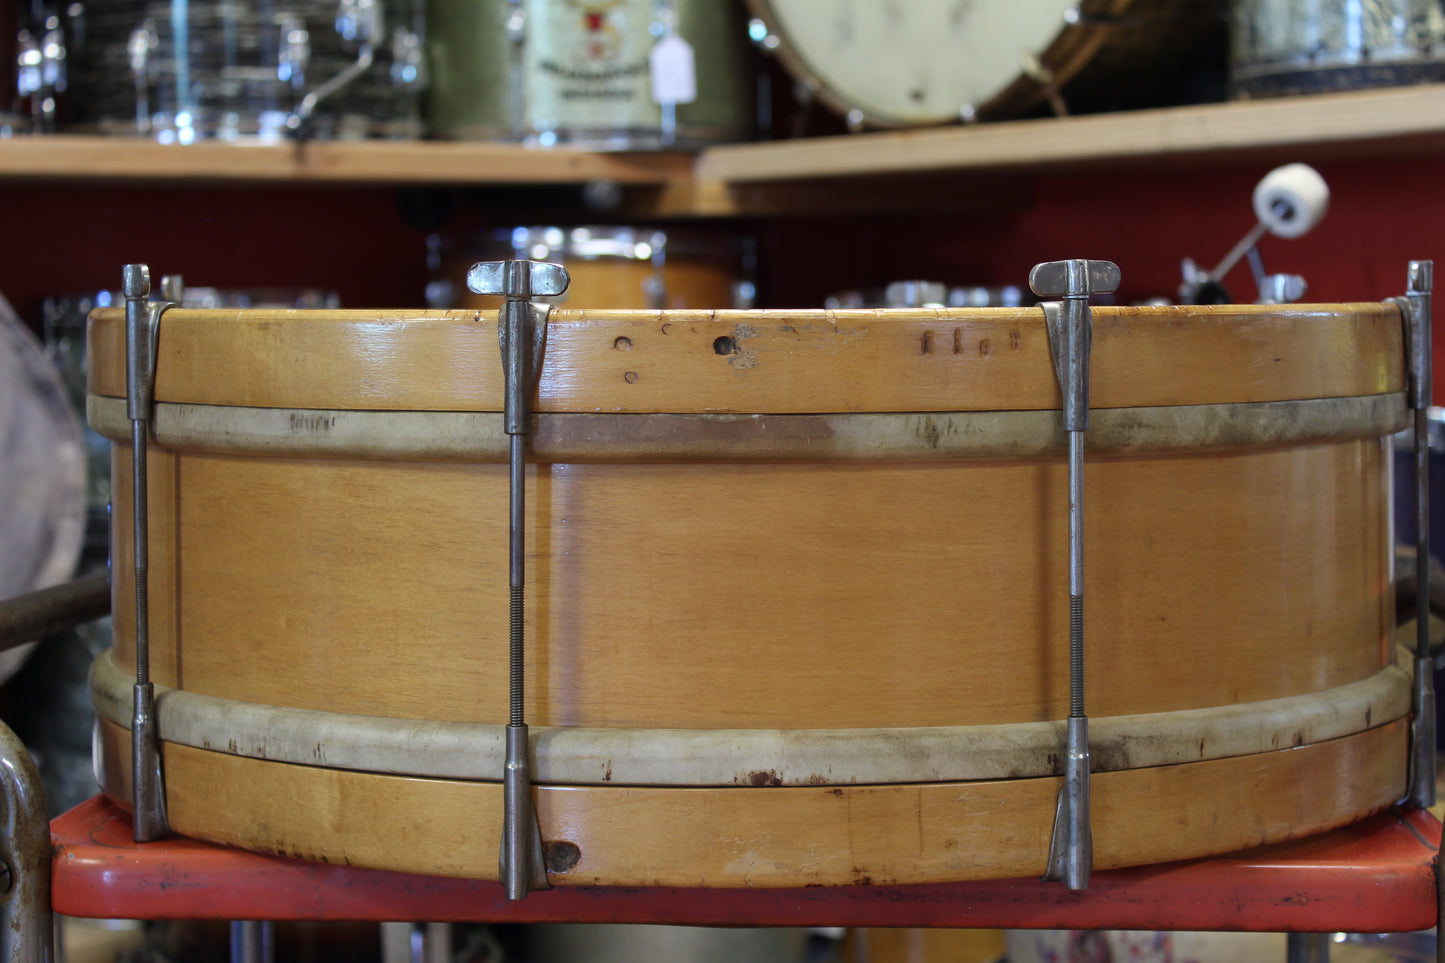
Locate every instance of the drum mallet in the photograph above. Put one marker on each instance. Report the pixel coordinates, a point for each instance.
(142, 322)
(1071, 332)
(522, 330)
(1415, 308)
(1288, 202)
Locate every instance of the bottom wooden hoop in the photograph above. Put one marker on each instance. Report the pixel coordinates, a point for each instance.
(768, 836)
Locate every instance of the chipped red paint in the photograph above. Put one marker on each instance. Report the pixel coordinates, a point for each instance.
(1374, 876)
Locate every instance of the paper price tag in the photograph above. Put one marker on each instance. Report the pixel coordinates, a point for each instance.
(674, 77)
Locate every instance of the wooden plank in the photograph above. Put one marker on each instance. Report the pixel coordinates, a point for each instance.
(79, 157)
(1365, 120)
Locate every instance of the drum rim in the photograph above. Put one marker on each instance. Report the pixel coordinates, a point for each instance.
(641, 438)
(762, 362)
(598, 756)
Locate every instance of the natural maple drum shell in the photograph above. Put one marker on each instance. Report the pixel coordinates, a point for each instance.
(796, 596)
(699, 594)
(803, 836)
(692, 594)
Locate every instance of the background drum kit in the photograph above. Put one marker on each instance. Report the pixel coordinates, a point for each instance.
(805, 584)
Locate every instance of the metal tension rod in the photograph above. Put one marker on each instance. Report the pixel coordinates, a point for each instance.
(522, 330)
(1415, 308)
(1070, 328)
(141, 321)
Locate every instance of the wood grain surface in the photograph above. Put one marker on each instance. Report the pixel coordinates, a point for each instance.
(698, 595)
(761, 361)
(857, 835)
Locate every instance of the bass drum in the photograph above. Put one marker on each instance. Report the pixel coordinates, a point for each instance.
(42, 484)
(797, 603)
(936, 61)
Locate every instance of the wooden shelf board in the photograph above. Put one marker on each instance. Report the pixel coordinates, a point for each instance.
(734, 179)
(1361, 121)
(91, 158)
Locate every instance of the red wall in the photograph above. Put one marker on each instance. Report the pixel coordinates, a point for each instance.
(65, 238)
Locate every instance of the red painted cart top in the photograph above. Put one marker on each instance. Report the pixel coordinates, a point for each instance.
(1375, 876)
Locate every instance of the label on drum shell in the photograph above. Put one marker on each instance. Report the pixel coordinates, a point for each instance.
(587, 61)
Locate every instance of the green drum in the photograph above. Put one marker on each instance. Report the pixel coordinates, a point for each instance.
(578, 72)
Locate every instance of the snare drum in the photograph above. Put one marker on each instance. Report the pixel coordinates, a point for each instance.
(193, 69)
(611, 267)
(1285, 47)
(578, 73)
(797, 609)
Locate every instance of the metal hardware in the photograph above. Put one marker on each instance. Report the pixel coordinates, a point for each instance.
(522, 331)
(173, 288)
(1281, 288)
(516, 67)
(654, 288)
(1307, 948)
(26, 929)
(356, 20)
(142, 320)
(1415, 308)
(1070, 329)
(40, 70)
(1288, 202)
(252, 941)
(915, 294)
(48, 611)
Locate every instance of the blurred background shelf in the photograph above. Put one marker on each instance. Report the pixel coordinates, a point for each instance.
(723, 180)
(1355, 124)
(85, 159)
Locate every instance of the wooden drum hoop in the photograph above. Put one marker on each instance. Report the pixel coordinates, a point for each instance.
(797, 605)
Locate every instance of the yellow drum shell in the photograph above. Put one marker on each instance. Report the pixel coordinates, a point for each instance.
(773, 526)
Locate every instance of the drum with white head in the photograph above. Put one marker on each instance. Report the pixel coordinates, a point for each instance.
(935, 61)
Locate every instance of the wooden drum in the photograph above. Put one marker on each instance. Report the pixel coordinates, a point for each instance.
(797, 605)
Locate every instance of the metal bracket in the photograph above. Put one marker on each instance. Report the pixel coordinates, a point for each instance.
(359, 20)
(26, 929)
(142, 326)
(1070, 329)
(522, 332)
(1415, 308)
